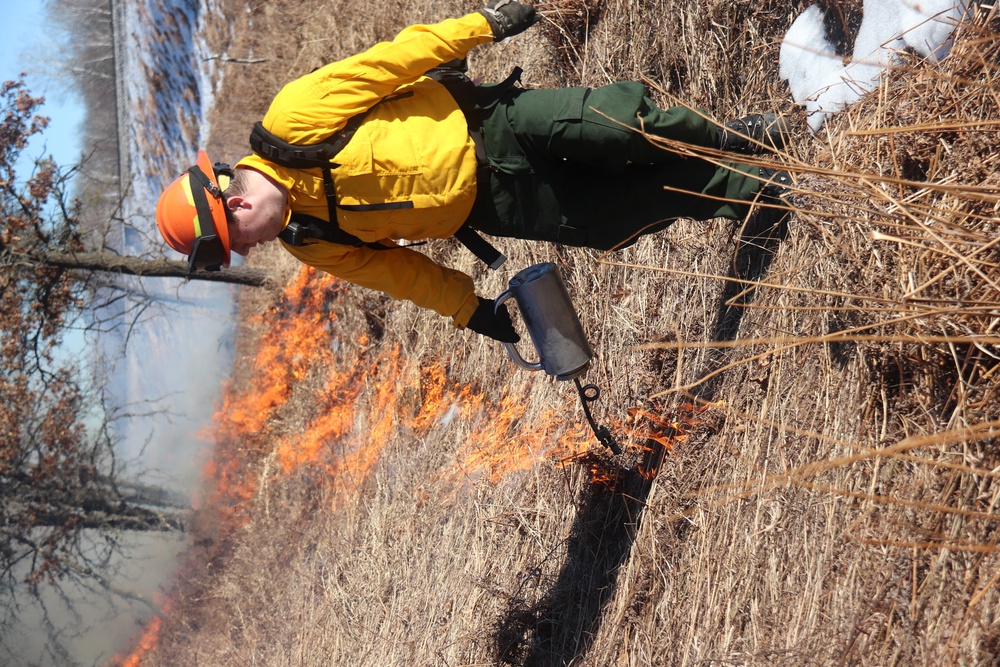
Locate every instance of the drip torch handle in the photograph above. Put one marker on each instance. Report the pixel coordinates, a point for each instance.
(588, 394)
(510, 347)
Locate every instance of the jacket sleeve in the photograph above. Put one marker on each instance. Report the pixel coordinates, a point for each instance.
(400, 273)
(314, 106)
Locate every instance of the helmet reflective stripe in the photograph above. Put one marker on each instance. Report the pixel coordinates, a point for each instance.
(186, 184)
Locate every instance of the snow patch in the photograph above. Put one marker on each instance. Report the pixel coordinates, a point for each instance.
(823, 83)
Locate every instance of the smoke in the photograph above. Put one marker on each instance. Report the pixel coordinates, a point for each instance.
(78, 624)
(172, 374)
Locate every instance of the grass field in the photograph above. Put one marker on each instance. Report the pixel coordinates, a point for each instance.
(809, 410)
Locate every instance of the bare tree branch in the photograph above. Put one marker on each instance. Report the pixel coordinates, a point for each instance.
(147, 268)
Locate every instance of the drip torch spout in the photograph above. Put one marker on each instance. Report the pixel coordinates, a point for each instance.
(588, 394)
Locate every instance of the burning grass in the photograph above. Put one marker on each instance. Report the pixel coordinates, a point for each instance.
(810, 409)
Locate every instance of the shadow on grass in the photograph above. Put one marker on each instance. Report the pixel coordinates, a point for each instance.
(562, 625)
(756, 247)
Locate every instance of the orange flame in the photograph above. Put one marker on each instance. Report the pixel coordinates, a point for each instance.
(150, 636)
(651, 434)
(662, 433)
(364, 402)
(147, 641)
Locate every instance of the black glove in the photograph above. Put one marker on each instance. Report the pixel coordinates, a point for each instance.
(495, 325)
(508, 17)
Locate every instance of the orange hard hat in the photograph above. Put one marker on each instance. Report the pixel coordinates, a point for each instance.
(191, 215)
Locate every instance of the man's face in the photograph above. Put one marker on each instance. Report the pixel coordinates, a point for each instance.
(251, 225)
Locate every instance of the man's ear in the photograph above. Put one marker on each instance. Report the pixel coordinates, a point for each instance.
(236, 202)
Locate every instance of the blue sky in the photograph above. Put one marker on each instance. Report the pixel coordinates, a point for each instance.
(25, 46)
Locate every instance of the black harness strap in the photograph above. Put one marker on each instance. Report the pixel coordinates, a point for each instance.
(480, 247)
(387, 206)
(489, 96)
(305, 229)
(268, 145)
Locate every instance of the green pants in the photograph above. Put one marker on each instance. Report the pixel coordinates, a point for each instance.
(566, 167)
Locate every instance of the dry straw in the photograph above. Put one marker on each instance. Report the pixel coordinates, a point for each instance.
(833, 500)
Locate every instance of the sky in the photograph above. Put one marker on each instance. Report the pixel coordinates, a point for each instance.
(26, 46)
(22, 39)
(21, 42)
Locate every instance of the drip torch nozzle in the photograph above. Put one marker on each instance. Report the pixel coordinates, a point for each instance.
(588, 394)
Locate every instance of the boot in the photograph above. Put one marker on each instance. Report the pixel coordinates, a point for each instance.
(776, 183)
(754, 133)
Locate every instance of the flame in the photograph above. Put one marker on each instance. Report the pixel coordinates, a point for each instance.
(438, 398)
(503, 441)
(150, 636)
(296, 337)
(367, 396)
(348, 437)
(661, 433)
(651, 436)
(355, 420)
(148, 639)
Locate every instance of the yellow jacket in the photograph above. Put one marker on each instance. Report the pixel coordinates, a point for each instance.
(414, 146)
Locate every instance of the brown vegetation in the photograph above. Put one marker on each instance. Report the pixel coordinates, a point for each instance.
(390, 491)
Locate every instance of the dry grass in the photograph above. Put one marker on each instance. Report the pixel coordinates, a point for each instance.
(832, 502)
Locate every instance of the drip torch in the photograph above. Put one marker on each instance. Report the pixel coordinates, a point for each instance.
(556, 332)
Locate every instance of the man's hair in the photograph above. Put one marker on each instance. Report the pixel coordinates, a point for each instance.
(239, 183)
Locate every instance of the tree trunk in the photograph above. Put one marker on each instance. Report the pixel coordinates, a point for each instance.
(149, 268)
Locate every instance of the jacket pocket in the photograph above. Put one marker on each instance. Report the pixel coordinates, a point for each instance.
(355, 159)
(393, 151)
(569, 105)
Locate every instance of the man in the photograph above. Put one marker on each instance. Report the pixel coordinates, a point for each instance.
(411, 162)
